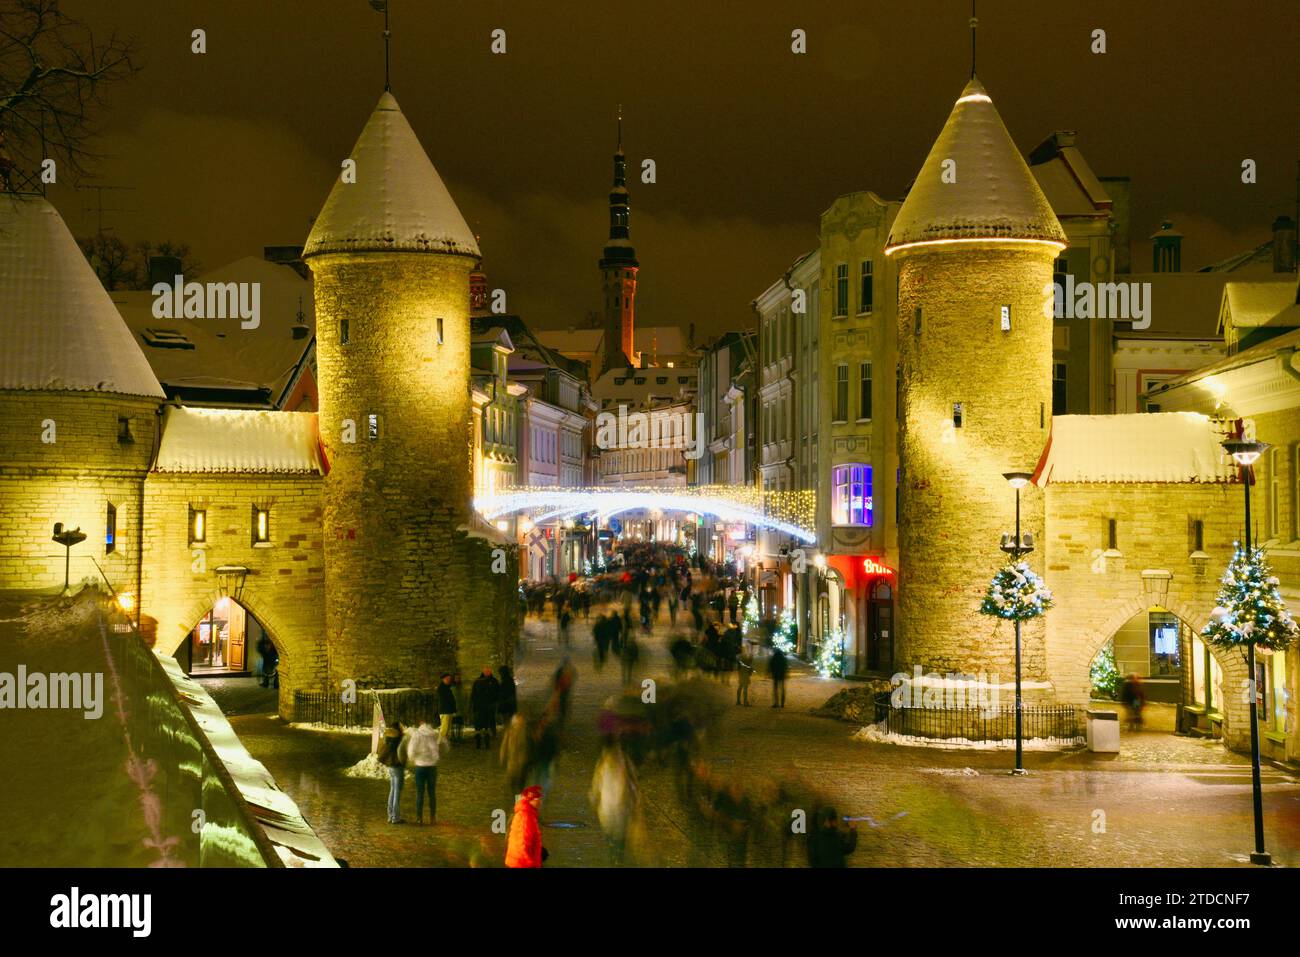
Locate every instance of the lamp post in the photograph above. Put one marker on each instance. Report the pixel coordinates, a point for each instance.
(1245, 453)
(1016, 548)
(67, 538)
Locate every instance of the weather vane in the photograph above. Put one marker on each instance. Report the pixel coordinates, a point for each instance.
(382, 7)
(973, 24)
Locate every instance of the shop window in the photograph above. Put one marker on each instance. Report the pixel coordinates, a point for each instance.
(1166, 655)
(851, 501)
(198, 526)
(110, 529)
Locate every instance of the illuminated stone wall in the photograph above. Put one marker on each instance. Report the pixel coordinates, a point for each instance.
(955, 502)
(70, 480)
(1095, 595)
(285, 587)
(407, 594)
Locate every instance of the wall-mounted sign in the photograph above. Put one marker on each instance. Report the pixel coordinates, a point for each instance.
(873, 567)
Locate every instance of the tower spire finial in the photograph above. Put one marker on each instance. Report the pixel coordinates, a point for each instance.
(382, 7)
(620, 126)
(973, 24)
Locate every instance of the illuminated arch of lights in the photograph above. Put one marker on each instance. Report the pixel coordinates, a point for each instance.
(792, 511)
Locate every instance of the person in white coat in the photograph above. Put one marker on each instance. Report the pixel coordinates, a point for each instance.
(425, 746)
(615, 798)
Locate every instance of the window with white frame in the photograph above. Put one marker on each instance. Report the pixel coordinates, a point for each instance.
(866, 292)
(851, 495)
(842, 289)
(841, 392)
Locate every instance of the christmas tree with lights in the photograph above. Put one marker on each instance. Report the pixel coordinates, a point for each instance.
(786, 630)
(1016, 593)
(1250, 608)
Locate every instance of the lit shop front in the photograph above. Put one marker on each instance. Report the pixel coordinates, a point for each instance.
(224, 641)
(858, 595)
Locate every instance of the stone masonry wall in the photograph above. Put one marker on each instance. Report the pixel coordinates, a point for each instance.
(1096, 595)
(955, 502)
(72, 480)
(285, 587)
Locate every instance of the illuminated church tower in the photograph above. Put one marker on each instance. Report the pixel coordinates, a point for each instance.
(618, 268)
(408, 593)
(974, 243)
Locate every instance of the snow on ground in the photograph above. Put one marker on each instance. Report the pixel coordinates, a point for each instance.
(876, 734)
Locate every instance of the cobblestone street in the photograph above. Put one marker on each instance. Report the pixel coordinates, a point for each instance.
(1164, 801)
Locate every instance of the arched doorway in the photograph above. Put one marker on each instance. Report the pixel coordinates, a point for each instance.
(1179, 677)
(227, 640)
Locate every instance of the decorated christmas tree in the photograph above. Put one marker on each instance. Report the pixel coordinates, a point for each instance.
(830, 657)
(1016, 593)
(786, 631)
(750, 623)
(1104, 674)
(1250, 608)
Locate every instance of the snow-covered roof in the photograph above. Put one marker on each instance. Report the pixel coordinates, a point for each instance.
(1254, 303)
(1142, 447)
(398, 202)
(993, 194)
(59, 327)
(238, 440)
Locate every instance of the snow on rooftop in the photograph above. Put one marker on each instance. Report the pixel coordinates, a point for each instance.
(1142, 447)
(238, 440)
(1254, 303)
(60, 328)
(993, 196)
(398, 202)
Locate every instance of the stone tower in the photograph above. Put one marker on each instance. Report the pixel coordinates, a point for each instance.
(391, 256)
(618, 267)
(974, 244)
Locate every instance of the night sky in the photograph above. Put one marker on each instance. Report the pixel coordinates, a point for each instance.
(238, 148)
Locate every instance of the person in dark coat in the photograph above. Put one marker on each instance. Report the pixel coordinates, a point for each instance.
(778, 667)
(483, 699)
(829, 841)
(446, 706)
(508, 703)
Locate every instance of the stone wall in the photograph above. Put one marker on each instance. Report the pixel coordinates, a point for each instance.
(285, 586)
(1096, 595)
(72, 480)
(403, 587)
(955, 502)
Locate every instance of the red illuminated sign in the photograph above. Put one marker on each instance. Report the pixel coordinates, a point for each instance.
(873, 567)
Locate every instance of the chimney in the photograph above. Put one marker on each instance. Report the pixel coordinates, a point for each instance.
(163, 269)
(1166, 249)
(290, 256)
(1284, 244)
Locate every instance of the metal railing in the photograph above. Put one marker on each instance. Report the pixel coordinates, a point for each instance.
(409, 705)
(1055, 722)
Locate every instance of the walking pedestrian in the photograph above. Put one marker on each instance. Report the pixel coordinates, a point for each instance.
(392, 754)
(508, 702)
(615, 797)
(744, 671)
(446, 706)
(1133, 696)
(631, 651)
(483, 703)
(778, 666)
(524, 843)
(830, 841)
(423, 750)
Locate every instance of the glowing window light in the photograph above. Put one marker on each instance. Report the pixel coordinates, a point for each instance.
(1054, 244)
(261, 525)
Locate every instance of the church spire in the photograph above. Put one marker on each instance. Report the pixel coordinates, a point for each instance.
(618, 266)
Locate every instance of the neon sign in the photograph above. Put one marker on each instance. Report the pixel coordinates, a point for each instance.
(873, 567)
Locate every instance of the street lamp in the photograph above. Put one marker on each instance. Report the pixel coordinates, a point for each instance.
(1021, 545)
(1246, 453)
(67, 538)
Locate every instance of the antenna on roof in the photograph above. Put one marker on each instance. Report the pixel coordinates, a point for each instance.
(382, 7)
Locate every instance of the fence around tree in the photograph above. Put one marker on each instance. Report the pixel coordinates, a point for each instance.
(1058, 723)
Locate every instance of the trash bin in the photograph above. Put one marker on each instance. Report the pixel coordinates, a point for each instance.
(1103, 731)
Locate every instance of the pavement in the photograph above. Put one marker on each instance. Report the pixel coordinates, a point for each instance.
(1163, 801)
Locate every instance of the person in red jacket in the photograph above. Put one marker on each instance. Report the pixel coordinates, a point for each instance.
(524, 844)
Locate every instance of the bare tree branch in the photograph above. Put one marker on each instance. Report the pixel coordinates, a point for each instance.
(53, 76)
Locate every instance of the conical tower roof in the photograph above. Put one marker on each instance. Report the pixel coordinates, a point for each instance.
(60, 329)
(994, 196)
(398, 202)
